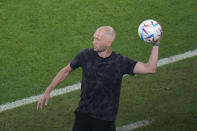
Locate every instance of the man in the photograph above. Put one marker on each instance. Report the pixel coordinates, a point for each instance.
(103, 70)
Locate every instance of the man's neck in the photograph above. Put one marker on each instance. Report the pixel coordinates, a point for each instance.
(105, 53)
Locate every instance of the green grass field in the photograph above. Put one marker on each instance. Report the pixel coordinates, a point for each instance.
(38, 38)
(168, 98)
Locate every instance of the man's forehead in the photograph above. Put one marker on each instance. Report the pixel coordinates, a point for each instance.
(101, 29)
(99, 32)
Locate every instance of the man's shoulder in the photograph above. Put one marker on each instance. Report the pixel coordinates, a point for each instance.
(87, 53)
(118, 55)
(121, 57)
(87, 50)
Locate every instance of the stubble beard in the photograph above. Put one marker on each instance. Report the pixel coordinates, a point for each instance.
(99, 50)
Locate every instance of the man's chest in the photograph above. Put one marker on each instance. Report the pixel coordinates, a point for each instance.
(102, 70)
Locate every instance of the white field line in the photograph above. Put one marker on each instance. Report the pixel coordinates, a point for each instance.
(28, 100)
(56, 92)
(176, 58)
(133, 126)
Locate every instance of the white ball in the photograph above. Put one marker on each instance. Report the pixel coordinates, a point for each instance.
(149, 30)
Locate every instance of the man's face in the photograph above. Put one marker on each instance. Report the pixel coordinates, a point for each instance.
(99, 43)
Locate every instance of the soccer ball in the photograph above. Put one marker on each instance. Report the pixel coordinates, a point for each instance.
(149, 30)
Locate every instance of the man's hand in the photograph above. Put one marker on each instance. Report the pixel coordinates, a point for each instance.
(45, 98)
(156, 41)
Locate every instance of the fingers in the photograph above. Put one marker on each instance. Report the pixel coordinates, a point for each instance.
(37, 105)
(156, 41)
(40, 104)
(46, 102)
(42, 100)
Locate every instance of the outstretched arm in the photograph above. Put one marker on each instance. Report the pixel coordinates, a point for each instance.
(62, 75)
(151, 66)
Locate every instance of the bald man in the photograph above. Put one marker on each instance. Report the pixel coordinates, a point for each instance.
(102, 75)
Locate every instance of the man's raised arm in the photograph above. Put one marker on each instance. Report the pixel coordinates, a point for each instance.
(151, 66)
